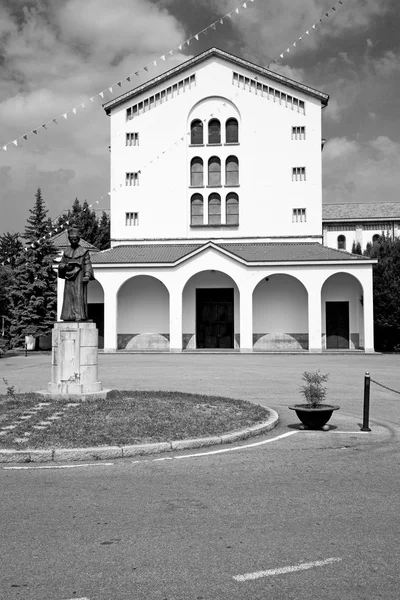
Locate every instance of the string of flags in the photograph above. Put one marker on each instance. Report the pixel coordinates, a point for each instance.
(309, 30)
(115, 86)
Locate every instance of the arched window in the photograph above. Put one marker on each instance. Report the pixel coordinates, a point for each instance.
(232, 209)
(214, 171)
(196, 132)
(232, 171)
(196, 209)
(196, 172)
(231, 131)
(341, 242)
(375, 238)
(214, 131)
(214, 209)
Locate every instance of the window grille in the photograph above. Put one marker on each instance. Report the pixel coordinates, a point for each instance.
(132, 139)
(299, 215)
(298, 133)
(132, 179)
(298, 174)
(131, 219)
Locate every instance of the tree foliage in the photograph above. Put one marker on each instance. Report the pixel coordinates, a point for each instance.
(33, 295)
(386, 279)
(356, 248)
(93, 230)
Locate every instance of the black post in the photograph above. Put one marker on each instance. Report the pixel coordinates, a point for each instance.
(367, 384)
(26, 349)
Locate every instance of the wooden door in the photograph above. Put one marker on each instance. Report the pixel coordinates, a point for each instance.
(337, 325)
(214, 318)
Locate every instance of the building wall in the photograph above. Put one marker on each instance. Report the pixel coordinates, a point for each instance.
(266, 152)
(362, 232)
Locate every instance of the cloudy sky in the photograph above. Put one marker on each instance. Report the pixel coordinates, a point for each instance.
(56, 54)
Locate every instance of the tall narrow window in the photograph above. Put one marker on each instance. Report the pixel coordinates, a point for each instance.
(196, 132)
(232, 209)
(214, 209)
(132, 139)
(231, 131)
(341, 242)
(214, 131)
(232, 171)
(196, 209)
(196, 172)
(214, 171)
(299, 215)
(298, 174)
(132, 179)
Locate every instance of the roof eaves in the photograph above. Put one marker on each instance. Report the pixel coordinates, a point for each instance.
(108, 106)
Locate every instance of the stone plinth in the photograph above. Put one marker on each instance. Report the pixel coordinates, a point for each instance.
(74, 370)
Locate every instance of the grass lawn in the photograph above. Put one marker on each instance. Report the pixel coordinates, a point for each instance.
(125, 417)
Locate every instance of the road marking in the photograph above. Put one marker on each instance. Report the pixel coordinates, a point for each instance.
(282, 570)
(62, 467)
(79, 598)
(278, 437)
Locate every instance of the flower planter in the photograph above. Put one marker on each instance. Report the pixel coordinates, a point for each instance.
(314, 417)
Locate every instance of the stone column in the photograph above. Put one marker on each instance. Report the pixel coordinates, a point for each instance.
(246, 319)
(314, 320)
(110, 318)
(175, 320)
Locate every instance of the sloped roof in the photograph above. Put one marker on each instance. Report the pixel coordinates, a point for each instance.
(361, 211)
(61, 241)
(247, 252)
(239, 62)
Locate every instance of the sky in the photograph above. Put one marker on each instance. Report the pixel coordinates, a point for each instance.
(56, 54)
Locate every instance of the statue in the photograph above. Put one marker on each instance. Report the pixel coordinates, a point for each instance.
(75, 267)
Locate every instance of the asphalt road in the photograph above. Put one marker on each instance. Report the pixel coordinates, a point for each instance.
(241, 524)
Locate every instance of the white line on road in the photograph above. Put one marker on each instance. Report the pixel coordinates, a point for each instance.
(278, 437)
(62, 467)
(291, 569)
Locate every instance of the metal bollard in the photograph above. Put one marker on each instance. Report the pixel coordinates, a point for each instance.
(367, 384)
(26, 349)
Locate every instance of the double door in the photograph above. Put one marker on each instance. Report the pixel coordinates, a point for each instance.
(214, 318)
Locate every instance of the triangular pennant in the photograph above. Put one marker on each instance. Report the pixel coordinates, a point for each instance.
(281, 55)
(25, 137)
(109, 193)
(145, 68)
(119, 83)
(137, 73)
(97, 201)
(65, 116)
(55, 121)
(101, 94)
(313, 26)
(155, 63)
(212, 26)
(333, 8)
(188, 41)
(171, 52)
(92, 99)
(244, 5)
(180, 47)
(110, 88)
(197, 36)
(44, 126)
(221, 21)
(327, 14)
(163, 57)
(15, 142)
(294, 43)
(74, 111)
(237, 10)
(128, 79)
(5, 148)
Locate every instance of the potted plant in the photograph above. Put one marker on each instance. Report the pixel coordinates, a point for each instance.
(314, 414)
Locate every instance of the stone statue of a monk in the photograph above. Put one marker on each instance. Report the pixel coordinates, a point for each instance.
(75, 267)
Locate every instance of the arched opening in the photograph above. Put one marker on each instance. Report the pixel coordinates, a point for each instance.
(232, 131)
(196, 132)
(214, 131)
(196, 210)
(214, 209)
(375, 238)
(95, 298)
(232, 171)
(232, 209)
(341, 242)
(143, 314)
(342, 313)
(210, 311)
(196, 172)
(280, 314)
(214, 171)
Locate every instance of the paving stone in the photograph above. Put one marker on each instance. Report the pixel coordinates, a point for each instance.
(3, 432)
(39, 427)
(24, 417)
(73, 404)
(20, 440)
(9, 427)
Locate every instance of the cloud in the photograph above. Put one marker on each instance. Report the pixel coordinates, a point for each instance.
(355, 172)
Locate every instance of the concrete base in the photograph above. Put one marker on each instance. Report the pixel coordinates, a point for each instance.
(74, 361)
(54, 396)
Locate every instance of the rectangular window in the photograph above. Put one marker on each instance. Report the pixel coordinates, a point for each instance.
(299, 215)
(299, 133)
(132, 179)
(298, 174)
(302, 107)
(131, 219)
(132, 139)
(174, 89)
(162, 96)
(129, 114)
(145, 105)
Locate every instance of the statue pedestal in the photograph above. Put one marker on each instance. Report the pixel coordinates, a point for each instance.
(74, 361)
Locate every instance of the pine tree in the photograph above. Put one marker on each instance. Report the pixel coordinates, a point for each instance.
(82, 217)
(33, 295)
(10, 247)
(103, 236)
(356, 248)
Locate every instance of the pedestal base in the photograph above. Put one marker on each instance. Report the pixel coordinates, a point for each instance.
(74, 361)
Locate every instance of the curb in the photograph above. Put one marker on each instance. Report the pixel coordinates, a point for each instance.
(134, 450)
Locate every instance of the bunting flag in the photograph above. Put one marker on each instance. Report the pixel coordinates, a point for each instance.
(313, 26)
(146, 68)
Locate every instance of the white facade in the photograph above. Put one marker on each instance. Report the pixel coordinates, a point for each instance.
(243, 267)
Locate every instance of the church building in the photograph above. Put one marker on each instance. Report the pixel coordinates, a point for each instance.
(216, 219)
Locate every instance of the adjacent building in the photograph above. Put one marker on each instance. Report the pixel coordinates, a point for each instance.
(216, 219)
